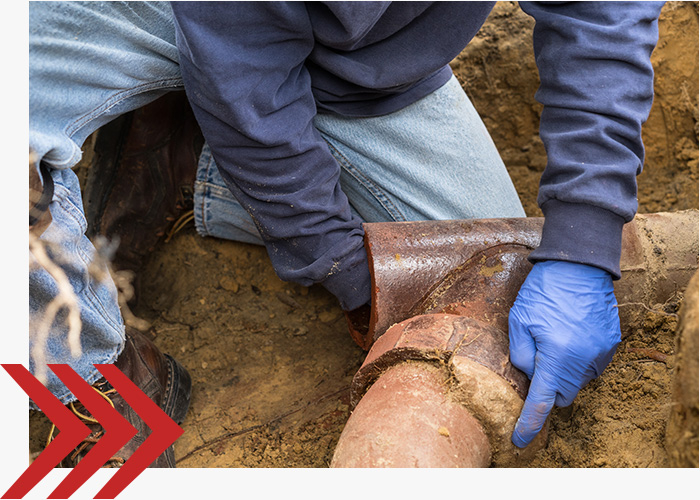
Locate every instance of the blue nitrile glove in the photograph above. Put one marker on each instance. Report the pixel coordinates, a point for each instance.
(563, 328)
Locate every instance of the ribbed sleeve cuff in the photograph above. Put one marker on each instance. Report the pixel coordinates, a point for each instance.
(581, 233)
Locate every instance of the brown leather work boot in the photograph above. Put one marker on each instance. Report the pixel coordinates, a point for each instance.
(160, 377)
(142, 179)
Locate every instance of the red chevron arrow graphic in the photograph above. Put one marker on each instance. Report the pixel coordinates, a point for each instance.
(164, 431)
(118, 431)
(73, 431)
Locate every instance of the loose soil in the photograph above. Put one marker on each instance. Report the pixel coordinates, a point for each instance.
(272, 362)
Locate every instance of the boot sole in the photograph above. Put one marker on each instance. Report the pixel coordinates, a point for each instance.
(176, 402)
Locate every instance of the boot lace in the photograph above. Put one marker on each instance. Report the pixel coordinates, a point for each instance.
(94, 436)
(184, 219)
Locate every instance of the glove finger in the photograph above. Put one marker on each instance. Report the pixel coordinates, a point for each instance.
(522, 345)
(538, 405)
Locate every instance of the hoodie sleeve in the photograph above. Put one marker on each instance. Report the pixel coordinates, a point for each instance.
(243, 69)
(596, 86)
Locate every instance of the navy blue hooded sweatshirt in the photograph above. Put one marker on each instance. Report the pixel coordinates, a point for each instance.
(257, 73)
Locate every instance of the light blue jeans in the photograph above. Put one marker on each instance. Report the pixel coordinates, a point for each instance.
(91, 62)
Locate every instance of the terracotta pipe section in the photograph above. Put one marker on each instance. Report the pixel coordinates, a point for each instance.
(434, 430)
(447, 287)
(469, 359)
(411, 262)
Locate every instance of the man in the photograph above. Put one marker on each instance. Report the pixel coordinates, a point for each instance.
(320, 116)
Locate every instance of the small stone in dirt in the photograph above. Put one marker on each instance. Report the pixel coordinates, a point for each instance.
(287, 300)
(301, 331)
(228, 283)
(255, 289)
(327, 316)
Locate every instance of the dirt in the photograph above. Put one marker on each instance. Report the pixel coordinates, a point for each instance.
(272, 362)
(682, 428)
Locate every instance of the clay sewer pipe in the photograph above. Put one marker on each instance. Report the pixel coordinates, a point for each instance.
(437, 388)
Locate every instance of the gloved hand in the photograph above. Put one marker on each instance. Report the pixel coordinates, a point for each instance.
(564, 328)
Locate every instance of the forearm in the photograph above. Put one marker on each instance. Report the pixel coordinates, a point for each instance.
(243, 68)
(596, 89)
